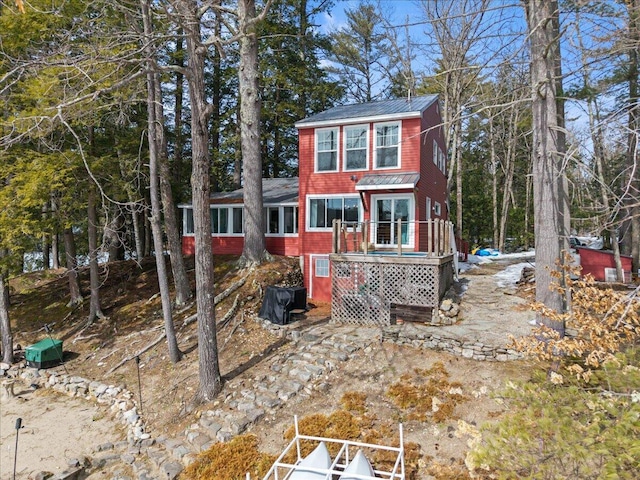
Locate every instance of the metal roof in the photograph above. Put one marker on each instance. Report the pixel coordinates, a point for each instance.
(274, 191)
(385, 181)
(398, 108)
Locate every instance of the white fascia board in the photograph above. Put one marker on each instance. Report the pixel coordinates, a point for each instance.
(357, 120)
(395, 186)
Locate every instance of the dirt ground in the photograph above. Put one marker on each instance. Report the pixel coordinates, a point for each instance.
(168, 390)
(55, 429)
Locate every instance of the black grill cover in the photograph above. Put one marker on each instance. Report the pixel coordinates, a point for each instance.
(279, 301)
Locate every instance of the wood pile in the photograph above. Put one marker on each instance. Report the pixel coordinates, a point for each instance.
(528, 275)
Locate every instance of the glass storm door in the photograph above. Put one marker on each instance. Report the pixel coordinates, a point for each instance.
(388, 211)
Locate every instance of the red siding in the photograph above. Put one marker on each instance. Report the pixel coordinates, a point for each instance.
(595, 261)
(233, 245)
(416, 155)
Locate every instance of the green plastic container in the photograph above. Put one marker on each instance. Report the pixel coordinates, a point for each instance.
(46, 353)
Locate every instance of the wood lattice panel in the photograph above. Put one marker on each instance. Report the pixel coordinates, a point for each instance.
(362, 291)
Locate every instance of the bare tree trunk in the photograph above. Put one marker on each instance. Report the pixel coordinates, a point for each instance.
(72, 268)
(547, 203)
(5, 324)
(94, 275)
(112, 236)
(180, 278)
(254, 250)
(137, 234)
(55, 238)
(178, 156)
(494, 179)
(209, 369)
(237, 160)
(55, 251)
(510, 167)
(155, 123)
(633, 166)
(148, 241)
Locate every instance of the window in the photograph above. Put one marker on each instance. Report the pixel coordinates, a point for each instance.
(281, 220)
(322, 211)
(187, 224)
(428, 215)
(322, 267)
(237, 220)
(436, 151)
(355, 147)
(437, 208)
(387, 145)
(219, 220)
(290, 219)
(273, 220)
(327, 150)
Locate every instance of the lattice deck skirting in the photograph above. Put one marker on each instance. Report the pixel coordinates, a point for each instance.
(365, 286)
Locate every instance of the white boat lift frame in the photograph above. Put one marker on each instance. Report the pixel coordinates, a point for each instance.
(282, 471)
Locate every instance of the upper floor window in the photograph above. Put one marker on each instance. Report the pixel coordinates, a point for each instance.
(355, 147)
(387, 145)
(327, 150)
(322, 211)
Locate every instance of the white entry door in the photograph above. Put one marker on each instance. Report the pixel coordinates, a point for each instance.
(387, 210)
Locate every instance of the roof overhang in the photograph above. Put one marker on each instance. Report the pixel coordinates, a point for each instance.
(399, 181)
(357, 120)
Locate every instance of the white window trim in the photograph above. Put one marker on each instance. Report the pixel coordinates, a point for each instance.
(437, 209)
(229, 209)
(315, 264)
(428, 208)
(436, 150)
(281, 208)
(367, 147)
(315, 136)
(398, 146)
(412, 217)
(307, 220)
(185, 222)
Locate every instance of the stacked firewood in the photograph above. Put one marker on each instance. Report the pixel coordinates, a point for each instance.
(528, 275)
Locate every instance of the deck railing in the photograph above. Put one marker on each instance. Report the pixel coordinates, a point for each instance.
(432, 237)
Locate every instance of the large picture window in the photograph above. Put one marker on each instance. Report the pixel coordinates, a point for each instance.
(327, 150)
(387, 145)
(322, 211)
(355, 147)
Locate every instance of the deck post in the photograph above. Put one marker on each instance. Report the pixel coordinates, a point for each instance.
(365, 237)
(335, 244)
(399, 236)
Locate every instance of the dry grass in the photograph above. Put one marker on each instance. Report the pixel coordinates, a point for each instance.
(230, 461)
(427, 394)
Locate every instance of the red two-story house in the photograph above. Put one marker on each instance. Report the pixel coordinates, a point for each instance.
(375, 162)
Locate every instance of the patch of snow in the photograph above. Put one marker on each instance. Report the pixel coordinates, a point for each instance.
(510, 275)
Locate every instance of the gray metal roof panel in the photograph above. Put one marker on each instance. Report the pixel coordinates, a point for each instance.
(386, 180)
(400, 106)
(274, 191)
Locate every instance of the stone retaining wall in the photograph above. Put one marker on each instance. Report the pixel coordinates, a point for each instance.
(415, 336)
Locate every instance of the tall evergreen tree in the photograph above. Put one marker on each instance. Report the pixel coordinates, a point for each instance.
(360, 52)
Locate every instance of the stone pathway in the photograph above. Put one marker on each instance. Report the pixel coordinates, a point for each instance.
(293, 372)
